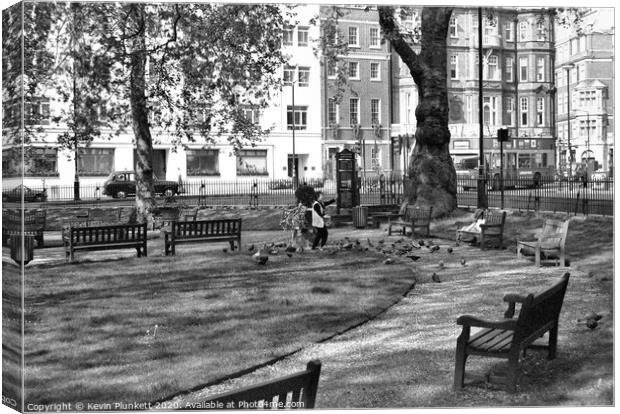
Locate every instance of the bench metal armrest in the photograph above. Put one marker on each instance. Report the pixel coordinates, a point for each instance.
(469, 321)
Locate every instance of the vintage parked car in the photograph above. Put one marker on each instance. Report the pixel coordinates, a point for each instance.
(15, 194)
(120, 184)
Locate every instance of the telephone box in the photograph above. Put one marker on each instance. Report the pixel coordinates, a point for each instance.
(347, 185)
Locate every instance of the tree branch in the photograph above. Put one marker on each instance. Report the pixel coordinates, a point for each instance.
(406, 53)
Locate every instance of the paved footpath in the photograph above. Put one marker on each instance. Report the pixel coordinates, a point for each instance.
(405, 357)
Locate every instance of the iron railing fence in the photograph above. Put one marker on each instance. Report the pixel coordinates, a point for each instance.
(595, 196)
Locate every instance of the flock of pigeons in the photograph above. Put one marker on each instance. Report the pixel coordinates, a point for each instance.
(401, 247)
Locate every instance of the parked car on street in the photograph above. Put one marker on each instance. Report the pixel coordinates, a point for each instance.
(15, 194)
(120, 184)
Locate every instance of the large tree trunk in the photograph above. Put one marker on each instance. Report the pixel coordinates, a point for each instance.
(432, 178)
(140, 122)
(431, 170)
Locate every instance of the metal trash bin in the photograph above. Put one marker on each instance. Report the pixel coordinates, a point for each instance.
(17, 254)
(360, 217)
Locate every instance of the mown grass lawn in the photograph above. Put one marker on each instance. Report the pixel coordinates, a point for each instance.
(143, 329)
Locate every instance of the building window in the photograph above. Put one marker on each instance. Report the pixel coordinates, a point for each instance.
(523, 30)
(509, 69)
(96, 161)
(374, 37)
(287, 36)
(354, 113)
(582, 43)
(490, 110)
(523, 69)
(508, 32)
(301, 117)
(332, 112)
(541, 32)
(354, 70)
(331, 69)
(38, 111)
(561, 103)
(469, 106)
(375, 111)
(581, 73)
(289, 75)
(587, 99)
(540, 69)
(540, 111)
(375, 158)
(492, 70)
(302, 36)
(375, 71)
(252, 162)
(454, 31)
(524, 109)
(353, 38)
(251, 114)
(202, 162)
(510, 111)
(304, 76)
(453, 67)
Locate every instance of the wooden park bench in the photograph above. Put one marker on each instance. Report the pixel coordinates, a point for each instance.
(33, 225)
(290, 392)
(493, 228)
(414, 217)
(507, 338)
(107, 237)
(202, 231)
(550, 243)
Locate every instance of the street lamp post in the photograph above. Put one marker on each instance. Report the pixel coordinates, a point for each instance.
(295, 175)
(568, 68)
(482, 199)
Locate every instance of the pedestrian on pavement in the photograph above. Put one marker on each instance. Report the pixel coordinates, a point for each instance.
(318, 221)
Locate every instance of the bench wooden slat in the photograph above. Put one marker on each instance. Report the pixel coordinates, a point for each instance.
(202, 231)
(303, 386)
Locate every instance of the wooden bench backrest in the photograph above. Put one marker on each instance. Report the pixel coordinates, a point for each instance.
(421, 216)
(198, 228)
(495, 218)
(539, 310)
(93, 235)
(33, 219)
(298, 389)
(554, 233)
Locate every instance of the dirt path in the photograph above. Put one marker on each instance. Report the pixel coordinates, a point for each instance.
(405, 357)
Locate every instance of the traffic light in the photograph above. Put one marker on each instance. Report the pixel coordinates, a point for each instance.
(502, 135)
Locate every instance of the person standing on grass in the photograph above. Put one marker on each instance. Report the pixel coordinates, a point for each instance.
(318, 220)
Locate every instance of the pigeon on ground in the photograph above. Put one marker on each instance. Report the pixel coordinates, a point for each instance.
(463, 262)
(450, 250)
(291, 249)
(593, 315)
(273, 252)
(591, 323)
(387, 261)
(434, 248)
(413, 257)
(369, 243)
(414, 244)
(289, 254)
(347, 246)
(441, 265)
(435, 278)
(225, 250)
(251, 248)
(260, 257)
(421, 242)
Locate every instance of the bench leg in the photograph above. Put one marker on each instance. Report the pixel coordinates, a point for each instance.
(519, 247)
(459, 366)
(389, 229)
(39, 239)
(537, 257)
(513, 372)
(553, 342)
(482, 241)
(71, 255)
(232, 245)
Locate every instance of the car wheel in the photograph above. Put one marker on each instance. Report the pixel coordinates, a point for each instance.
(168, 192)
(121, 194)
